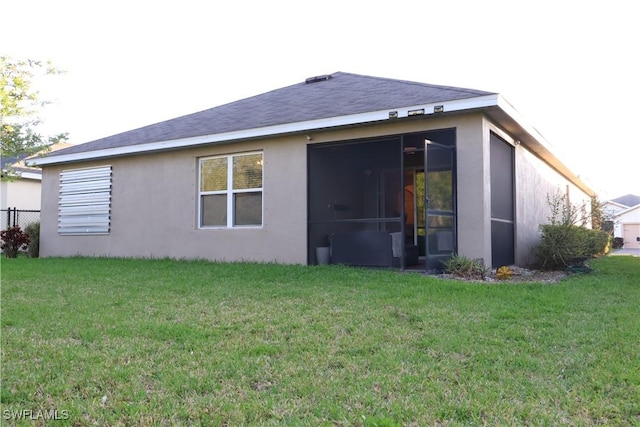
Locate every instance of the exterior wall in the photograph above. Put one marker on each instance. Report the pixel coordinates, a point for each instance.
(154, 209)
(630, 216)
(613, 212)
(155, 198)
(22, 194)
(4, 189)
(473, 189)
(536, 182)
(617, 213)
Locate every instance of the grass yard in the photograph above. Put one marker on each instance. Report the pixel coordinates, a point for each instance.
(164, 342)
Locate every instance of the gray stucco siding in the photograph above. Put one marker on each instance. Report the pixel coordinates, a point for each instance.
(474, 209)
(155, 201)
(536, 182)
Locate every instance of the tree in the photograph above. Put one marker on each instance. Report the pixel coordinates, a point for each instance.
(19, 106)
(600, 218)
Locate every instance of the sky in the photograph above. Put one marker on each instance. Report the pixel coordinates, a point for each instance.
(569, 68)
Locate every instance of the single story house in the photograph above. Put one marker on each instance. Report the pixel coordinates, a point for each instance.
(24, 190)
(342, 167)
(624, 212)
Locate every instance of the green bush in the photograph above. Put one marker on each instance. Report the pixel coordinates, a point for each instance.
(597, 242)
(33, 230)
(564, 245)
(467, 268)
(618, 242)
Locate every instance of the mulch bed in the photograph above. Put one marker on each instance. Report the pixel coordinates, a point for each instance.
(519, 275)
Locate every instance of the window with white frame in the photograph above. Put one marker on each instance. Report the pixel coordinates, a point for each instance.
(84, 204)
(230, 191)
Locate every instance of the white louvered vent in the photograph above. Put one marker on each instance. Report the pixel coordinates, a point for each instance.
(84, 206)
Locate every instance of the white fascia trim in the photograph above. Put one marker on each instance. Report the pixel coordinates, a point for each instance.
(620, 205)
(626, 211)
(31, 175)
(36, 176)
(306, 126)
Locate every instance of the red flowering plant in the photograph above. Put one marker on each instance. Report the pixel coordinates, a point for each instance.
(13, 240)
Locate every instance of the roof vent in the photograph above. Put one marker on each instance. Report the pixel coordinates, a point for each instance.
(317, 79)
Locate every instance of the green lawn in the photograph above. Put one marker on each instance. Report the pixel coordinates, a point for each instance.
(164, 342)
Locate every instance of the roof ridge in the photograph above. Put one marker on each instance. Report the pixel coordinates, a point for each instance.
(416, 83)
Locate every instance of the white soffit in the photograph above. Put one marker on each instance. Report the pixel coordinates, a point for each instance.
(537, 144)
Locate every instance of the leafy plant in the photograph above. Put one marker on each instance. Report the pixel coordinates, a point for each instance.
(504, 273)
(618, 242)
(467, 268)
(563, 212)
(13, 240)
(19, 107)
(565, 241)
(564, 245)
(33, 231)
(596, 242)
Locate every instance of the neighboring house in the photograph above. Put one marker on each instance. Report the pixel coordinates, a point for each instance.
(624, 211)
(23, 192)
(365, 165)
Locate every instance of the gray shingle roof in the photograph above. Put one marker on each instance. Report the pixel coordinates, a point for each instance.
(340, 95)
(5, 162)
(628, 200)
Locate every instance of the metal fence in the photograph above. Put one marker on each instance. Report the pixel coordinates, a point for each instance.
(13, 216)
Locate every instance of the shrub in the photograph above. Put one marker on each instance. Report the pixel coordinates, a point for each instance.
(33, 230)
(618, 242)
(564, 245)
(565, 241)
(464, 267)
(13, 240)
(597, 242)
